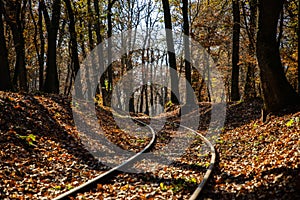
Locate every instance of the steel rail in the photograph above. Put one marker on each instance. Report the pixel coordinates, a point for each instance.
(200, 187)
(196, 192)
(88, 184)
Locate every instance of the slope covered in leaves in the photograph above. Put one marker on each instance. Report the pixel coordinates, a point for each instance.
(41, 154)
(257, 160)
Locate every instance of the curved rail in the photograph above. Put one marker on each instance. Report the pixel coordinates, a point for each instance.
(198, 190)
(88, 184)
(195, 194)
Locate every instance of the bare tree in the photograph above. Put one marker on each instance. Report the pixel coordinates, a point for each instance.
(52, 83)
(186, 31)
(5, 83)
(250, 91)
(276, 90)
(171, 52)
(235, 94)
(14, 12)
(74, 48)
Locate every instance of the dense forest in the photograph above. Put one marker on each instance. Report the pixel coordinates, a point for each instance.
(151, 57)
(254, 44)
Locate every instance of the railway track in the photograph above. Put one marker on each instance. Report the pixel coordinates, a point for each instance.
(87, 186)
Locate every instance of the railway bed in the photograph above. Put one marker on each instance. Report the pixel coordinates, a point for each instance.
(180, 179)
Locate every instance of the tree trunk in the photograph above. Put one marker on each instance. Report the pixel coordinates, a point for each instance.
(20, 70)
(17, 26)
(186, 31)
(101, 51)
(131, 104)
(152, 74)
(52, 83)
(73, 35)
(235, 94)
(171, 53)
(35, 40)
(276, 90)
(146, 100)
(5, 83)
(88, 90)
(109, 48)
(42, 53)
(250, 91)
(74, 49)
(142, 99)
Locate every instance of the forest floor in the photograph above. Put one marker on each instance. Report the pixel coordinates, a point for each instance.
(41, 154)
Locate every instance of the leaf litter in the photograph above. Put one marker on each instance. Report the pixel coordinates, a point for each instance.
(42, 155)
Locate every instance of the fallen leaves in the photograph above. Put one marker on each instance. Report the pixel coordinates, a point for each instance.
(41, 155)
(260, 160)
